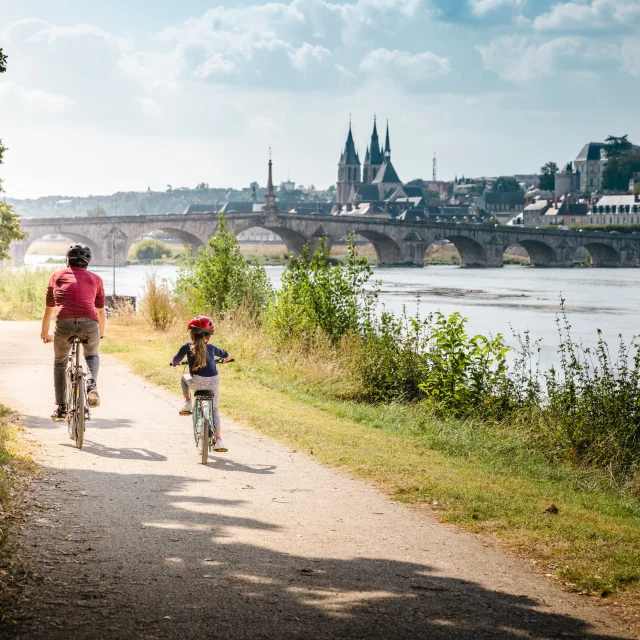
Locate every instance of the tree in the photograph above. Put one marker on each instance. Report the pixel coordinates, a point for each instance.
(9, 220)
(98, 212)
(620, 169)
(614, 147)
(506, 184)
(548, 176)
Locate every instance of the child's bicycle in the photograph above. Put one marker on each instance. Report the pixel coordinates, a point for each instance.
(78, 406)
(202, 415)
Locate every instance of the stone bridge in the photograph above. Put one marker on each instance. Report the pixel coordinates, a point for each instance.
(396, 242)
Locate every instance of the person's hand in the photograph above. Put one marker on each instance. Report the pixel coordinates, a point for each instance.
(229, 359)
(45, 337)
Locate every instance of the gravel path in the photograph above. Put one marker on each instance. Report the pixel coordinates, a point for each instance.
(132, 538)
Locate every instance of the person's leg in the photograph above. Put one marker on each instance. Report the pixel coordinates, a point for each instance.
(91, 329)
(185, 383)
(61, 350)
(217, 423)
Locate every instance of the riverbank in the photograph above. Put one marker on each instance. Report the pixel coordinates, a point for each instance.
(572, 525)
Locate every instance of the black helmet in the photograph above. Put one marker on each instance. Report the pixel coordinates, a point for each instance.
(79, 255)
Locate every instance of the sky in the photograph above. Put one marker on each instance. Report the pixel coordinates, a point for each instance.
(115, 96)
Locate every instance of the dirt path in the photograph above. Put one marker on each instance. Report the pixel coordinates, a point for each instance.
(132, 538)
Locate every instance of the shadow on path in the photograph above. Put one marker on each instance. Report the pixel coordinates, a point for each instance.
(157, 557)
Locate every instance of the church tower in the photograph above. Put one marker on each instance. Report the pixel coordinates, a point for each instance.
(348, 170)
(375, 157)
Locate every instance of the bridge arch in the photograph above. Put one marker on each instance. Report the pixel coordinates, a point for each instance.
(293, 240)
(472, 253)
(603, 255)
(190, 241)
(540, 253)
(387, 250)
(20, 249)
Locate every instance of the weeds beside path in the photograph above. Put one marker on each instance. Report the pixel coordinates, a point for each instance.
(481, 480)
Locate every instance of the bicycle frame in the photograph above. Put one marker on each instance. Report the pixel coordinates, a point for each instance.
(202, 424)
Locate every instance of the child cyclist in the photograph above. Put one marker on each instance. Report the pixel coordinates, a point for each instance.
(203, 374)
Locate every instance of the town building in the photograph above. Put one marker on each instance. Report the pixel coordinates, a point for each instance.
(502, 205)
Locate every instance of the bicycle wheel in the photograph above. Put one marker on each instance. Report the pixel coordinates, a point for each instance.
(81, 403)
(71, 423)
(206, 429)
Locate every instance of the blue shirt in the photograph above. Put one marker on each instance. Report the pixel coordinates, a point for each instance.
(209, 370)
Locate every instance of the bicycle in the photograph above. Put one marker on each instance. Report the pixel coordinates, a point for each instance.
(202, 416)
(77, 404)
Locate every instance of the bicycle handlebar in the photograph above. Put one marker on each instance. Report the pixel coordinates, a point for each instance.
(184, 363)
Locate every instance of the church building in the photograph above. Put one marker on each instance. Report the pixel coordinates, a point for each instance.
(375, 181)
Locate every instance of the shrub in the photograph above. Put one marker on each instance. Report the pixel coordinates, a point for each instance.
(221, 279)
(157, 306)
(319, 296)
(150, 249)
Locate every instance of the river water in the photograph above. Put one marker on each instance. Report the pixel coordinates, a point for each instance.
(493, 300)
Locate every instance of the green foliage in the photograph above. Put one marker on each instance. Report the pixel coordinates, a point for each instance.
(221, 279)
(317, 295)
(9, 228)
(3, 61)
(620, 169)
(506, 184)
(616, 146)
(22, 293)
(548, 176)
(591, 414)
(150, 249)
(99, 212)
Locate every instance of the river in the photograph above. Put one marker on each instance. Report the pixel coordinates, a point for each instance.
(493, 300)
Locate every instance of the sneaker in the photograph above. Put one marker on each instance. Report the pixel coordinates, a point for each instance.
(60, 414)
(219, 446)
(186, 408)
(92, 394)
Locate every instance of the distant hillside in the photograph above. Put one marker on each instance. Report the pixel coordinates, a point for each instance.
(129, 202)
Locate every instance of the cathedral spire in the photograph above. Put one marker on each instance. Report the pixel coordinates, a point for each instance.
(375, 152)
(387, 144)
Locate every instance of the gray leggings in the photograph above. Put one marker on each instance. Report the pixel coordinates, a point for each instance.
(66, 328)
(204, 383)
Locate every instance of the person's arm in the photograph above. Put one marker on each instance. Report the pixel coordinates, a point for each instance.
(221, 353)
(46, 324)
(177, 359)
(101, 320)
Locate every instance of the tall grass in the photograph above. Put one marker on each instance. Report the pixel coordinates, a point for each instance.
(22, 293)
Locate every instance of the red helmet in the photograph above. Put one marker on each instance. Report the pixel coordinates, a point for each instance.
(201, 324)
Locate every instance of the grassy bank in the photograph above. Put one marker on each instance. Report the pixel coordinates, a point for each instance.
(15, 463)
(22, 293)
(480, 478)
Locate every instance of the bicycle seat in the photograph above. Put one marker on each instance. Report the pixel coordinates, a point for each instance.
(80, 339)
(204, 393)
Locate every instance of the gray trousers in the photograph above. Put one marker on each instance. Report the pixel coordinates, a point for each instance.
(204, 383)
(66, 328)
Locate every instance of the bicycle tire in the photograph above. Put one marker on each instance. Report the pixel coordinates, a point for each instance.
(81, 399)
(71, 423)
(206, 425)
(194, 418)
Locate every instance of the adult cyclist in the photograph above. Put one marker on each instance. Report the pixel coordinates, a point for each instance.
(78, 296)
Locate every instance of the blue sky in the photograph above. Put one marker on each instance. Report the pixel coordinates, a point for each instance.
(113, 96)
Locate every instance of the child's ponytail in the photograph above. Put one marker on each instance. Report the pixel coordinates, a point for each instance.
(199, 350)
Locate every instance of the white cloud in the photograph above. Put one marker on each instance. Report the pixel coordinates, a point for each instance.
(154, 69)
(149, 107)
(630, 53)
(482, 7)
(413, 67)
(213, 65)
(307, 54)
(597, 14)
(35, 98)
(519, 59)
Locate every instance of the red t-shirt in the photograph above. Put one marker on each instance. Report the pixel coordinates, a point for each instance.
(76, 292)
